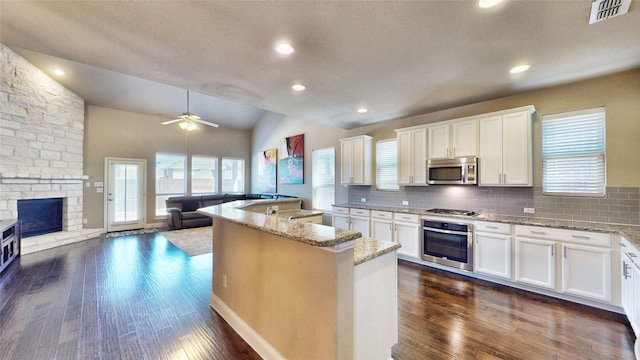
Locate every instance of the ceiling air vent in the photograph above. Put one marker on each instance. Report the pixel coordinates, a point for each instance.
(605, 9)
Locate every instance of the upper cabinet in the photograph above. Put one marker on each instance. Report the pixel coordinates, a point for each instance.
(505, 156)
(412, 156)
(356, 160)
(453, 139)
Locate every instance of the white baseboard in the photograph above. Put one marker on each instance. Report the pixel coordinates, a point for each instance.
(257, 342)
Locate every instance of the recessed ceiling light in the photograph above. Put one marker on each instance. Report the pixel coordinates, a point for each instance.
(298, 87)
(362, 110)
(284, 48)
(520, 68)
(58, 72)
(488, 3)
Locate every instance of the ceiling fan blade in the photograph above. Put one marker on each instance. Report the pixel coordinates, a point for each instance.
(205, 122)
(170, 121)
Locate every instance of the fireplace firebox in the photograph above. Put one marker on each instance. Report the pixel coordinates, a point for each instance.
(40, 216)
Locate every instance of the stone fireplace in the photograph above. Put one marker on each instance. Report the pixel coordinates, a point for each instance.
(42, 137)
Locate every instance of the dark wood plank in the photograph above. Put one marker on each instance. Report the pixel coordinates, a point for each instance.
(448, 316)
(139, 297)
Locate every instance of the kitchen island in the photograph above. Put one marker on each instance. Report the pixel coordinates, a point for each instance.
(296, 290)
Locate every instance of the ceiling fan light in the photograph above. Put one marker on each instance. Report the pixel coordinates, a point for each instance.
(192, 126)
(184, 125)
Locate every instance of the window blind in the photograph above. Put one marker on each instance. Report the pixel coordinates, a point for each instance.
(573, 153)
(323, 178)
(387, 164)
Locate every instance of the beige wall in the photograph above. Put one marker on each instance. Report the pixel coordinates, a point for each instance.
(619, 93)
(267, 134)
(114, 133)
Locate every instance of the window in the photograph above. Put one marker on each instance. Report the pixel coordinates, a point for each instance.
(387, 164)
(204, 175)
(323, 178)
(170, 179)
(232, 175)
(573, 153)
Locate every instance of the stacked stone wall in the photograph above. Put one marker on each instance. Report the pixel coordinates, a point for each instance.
(41, 139)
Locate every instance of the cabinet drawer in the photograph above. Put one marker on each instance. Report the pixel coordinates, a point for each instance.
(340, 210)
(381, 215)
(360, 212)
(627, 248)
(492, 227)
(571, 236)
(412, 218)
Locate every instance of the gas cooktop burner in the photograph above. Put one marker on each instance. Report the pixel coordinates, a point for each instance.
(453, 212)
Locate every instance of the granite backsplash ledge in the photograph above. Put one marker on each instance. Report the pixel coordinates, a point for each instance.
(620, 206)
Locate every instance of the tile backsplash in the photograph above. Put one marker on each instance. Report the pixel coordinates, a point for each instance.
(620, 206)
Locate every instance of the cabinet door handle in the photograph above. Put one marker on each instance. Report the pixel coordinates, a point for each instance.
(447, 151)
(625, 269)
(565, 252)
(580, 237)
(492, 227)
(631, 255)
(552, 252)
(539, 232)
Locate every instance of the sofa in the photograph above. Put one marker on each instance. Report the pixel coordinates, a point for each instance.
(181, 210)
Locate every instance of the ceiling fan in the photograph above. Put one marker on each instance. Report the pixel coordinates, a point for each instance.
(189, 122)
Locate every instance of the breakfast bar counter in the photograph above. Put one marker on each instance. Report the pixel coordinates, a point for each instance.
(297, 290)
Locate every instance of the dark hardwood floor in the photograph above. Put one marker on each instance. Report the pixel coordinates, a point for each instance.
(139, 297)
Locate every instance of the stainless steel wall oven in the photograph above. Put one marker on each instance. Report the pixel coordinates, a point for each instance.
(448, 243)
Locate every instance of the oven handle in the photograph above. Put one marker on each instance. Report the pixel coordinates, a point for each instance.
(445, 231)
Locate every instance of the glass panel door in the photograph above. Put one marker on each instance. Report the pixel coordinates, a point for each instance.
(125, 194)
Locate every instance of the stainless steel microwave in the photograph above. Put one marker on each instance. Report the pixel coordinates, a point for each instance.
(456, 171)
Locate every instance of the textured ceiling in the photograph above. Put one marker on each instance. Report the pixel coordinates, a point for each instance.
(396, 58)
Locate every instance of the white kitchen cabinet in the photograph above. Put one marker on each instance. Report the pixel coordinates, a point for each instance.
(492, 249)
(382, 225)
(438, 141)
(505, 149)
(355, 164)
(340, 218)
(576, 263)
(586, 271)
(631, 284)
(407, 233)
(361, 225)
(535, 262)
(352, 219)
(453, 139)
(412, 156)
(635, 318)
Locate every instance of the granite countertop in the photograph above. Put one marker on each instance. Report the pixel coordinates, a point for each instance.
(369, 249)
(297, 214)
(630, 232)
(307, 233)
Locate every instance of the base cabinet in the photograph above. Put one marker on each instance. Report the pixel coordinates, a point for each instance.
(576, 263)
(407, 234)
(352, 219)
(382, 225)
(535, 262)
(631, 284)
(586, 271)
(492, 254)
